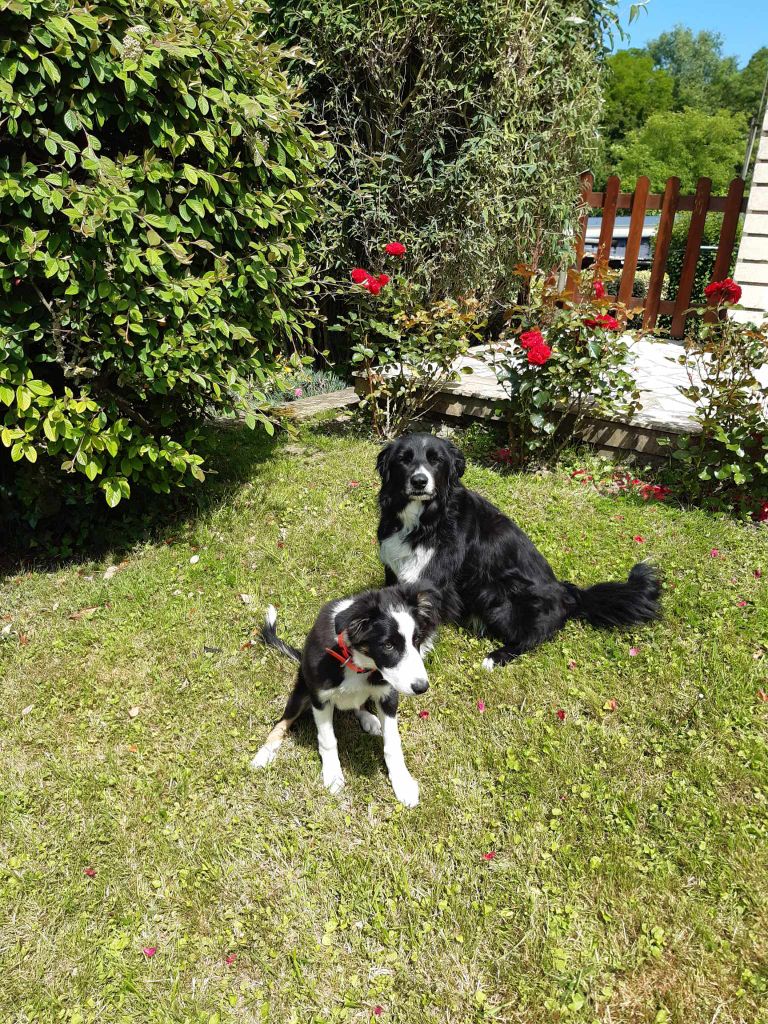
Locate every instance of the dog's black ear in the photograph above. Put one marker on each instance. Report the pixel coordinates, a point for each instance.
(458, 462)
(384, 461)
(357, 630)
(425, 601)
(355, 620)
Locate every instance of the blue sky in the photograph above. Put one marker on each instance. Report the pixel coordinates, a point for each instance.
(742, 23)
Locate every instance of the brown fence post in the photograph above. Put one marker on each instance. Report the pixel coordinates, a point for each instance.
(728, 228)
(610, 203)
(587, 181)
(691, 258)
(635, 237)
(663, 238)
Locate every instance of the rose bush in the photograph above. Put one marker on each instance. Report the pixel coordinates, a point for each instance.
(404, 345)
(726, 464)
(561, 363)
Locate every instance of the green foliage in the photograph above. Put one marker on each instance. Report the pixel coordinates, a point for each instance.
(696, 64)
(154, 185)
(634, 89)
(459, 125)
(726, 465)
(688, 144)
(745, 90)
(584, 377)
(406, 347)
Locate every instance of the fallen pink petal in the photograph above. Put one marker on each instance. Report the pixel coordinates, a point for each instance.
(634, 651)
(378, 1010)
(638, 539)
(353, 483)
(741, 604)
(714, 553)
(757, 573)
(491, 855)
(481, 705)
(560, 714)
(149, 951)
(423, 714)
(231, 959)
(90, 872)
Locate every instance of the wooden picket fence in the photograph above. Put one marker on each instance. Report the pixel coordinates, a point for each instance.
(641, 201)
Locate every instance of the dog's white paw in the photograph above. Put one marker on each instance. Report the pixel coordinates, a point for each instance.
(368, 723)
(264, 756)
(333, 781)
(489, 664)
(406, 790)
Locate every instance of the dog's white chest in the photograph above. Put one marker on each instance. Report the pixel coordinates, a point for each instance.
(406, 561)
(354, 691)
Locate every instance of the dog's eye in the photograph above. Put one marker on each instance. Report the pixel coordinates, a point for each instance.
(388, 647)
(406, 456)
(433, 458)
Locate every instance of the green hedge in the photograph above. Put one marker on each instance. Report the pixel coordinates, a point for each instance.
(460, 127)
(155, 184)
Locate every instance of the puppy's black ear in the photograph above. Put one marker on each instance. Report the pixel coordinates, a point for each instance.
(357, 630)
(355, 620)
(458, 462)
(426, 603)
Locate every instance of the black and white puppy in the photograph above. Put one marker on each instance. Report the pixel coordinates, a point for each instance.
(487, 571)
(361, 648)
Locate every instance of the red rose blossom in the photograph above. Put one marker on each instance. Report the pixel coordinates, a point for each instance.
(530, 339)
(372, 286)
(599, 290)
(607, 322)
(359, 276)
(383, 279)
(395, 249)
(726, 291)
(539, 354)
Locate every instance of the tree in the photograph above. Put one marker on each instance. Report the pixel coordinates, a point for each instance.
(634, 90)
(688, 144)
(745, 90)
(696, 64)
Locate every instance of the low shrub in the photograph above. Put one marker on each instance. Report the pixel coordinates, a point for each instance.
(726, 465)
(405, 346)
(155, 182)
(562, 363)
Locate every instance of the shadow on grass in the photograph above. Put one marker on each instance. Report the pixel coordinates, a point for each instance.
(82, 527)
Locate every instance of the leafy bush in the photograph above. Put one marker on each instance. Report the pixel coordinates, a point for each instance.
(155, 182)
(726, 465)
(406, 346)
(706, 261)
(460, 125)
(564, 365)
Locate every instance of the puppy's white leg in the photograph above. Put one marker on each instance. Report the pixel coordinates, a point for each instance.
(333, 777)
(267, 752)
(368, 723)
(405, 786)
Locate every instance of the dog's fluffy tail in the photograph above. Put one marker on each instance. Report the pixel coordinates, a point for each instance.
(270, 637)
(619, 604)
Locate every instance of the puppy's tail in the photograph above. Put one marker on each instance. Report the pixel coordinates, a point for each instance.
(270, 637)
(619, 604)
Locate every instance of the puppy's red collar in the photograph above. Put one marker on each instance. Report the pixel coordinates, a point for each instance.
(344, 655)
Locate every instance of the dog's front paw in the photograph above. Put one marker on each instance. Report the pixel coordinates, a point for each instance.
(368, 723)
(264, 756)
(333, 781)
(489, 664)
(406, 790)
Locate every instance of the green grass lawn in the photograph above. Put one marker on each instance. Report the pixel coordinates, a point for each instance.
(630, 877)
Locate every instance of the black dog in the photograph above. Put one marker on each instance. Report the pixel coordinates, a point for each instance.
(366, 647)
(433, 529)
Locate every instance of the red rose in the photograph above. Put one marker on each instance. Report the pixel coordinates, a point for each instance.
(530, 339)
(607, 322)
(726, 291)
(359, 276)
(599, 290)
(539, 354)
(395, 249)
(372, 285)
(383, 279)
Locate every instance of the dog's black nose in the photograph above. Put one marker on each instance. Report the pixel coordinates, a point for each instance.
(418, 481)
(420, 685)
